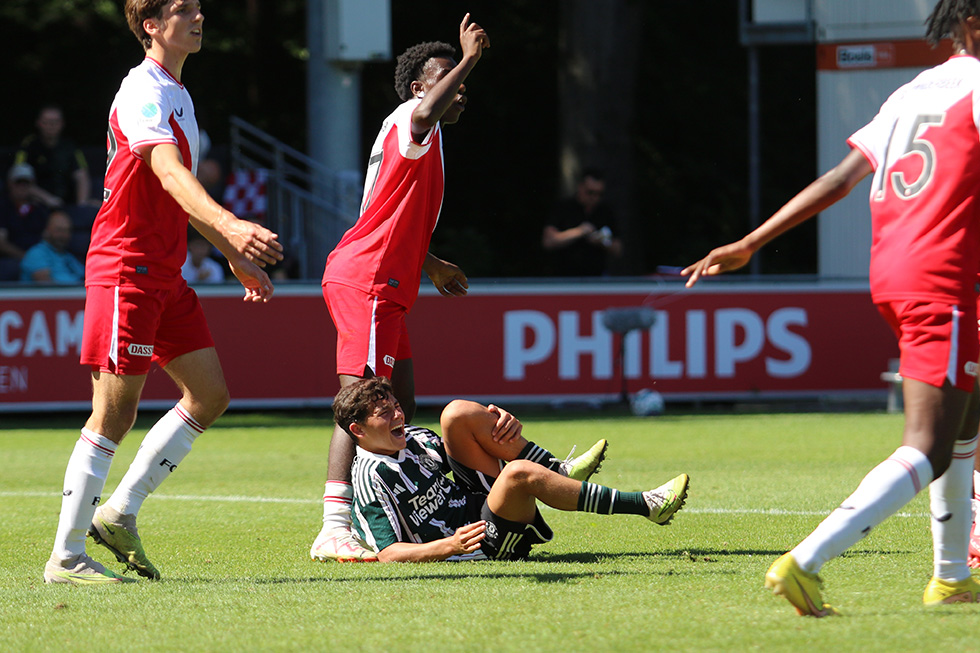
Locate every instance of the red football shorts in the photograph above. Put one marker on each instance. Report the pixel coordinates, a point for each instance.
(128, 328)
(937, 341)
(371, 331)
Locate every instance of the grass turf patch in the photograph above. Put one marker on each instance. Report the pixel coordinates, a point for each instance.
(230, 532)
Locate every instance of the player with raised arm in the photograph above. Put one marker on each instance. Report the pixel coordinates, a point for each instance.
(407, 509)
(371, 279)
(138, 309)
(923, 149)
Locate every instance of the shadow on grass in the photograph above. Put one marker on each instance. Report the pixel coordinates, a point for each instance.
(478, 571)
(530, 570)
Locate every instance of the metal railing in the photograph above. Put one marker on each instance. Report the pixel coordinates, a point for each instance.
(309, 205)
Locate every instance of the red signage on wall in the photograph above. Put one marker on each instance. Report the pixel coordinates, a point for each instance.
(513, 342)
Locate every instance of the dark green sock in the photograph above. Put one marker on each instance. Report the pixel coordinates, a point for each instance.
(604, 500)
(536, 454)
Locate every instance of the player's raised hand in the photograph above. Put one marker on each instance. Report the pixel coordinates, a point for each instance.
(719, 260)
(472, 38)
(258, 286)
(258, 244)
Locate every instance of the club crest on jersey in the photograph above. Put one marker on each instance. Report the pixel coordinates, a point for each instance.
(140, 350)
(429, 463)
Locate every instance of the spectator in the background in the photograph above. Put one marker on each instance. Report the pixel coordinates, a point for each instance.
(200, 267)
(21, 217)
(580, 234)
(50, 261)
(61, 171)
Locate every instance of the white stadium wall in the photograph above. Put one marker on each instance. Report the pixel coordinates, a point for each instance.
(865, 50)
(847, 100)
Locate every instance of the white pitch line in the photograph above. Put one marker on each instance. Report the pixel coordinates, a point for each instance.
(183, 497)
(775, 512)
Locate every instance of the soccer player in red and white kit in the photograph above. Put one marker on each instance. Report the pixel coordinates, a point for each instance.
(138, 308)
(372, 277)
(923, 148)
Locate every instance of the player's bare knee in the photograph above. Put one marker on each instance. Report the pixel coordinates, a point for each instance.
(114, 423)
(209, 406)
(521, 473)
(460, 413)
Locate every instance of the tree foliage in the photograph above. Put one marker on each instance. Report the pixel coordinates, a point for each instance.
(688, 140)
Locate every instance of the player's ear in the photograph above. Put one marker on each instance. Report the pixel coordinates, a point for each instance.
(150, 26)
(356, 429)
(418, 88)
(973, 24)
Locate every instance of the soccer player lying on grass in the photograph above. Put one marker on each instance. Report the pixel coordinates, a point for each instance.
(408, 510)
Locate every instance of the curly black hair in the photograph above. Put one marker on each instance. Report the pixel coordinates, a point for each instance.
(946, 18)
(412, 61)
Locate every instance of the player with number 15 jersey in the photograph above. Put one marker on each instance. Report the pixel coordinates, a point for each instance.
(923, 152)
(925, 209)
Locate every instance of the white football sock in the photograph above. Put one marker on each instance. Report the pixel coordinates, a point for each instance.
(952, 514)
(886, 488)
(338, 498)
(84, 479)
(162, 449)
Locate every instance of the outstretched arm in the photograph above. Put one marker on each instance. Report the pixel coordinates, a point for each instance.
(247, 246)
(472, 40)
(466, 539)
(825, 191)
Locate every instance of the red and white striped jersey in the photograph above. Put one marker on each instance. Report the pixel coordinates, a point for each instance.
(924, 146)
(139, 237)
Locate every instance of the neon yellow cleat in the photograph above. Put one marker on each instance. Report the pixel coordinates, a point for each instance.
(117, 532)
(583, 467)
(939, 592)
(667, 499)
(800, 588)
(80, 570)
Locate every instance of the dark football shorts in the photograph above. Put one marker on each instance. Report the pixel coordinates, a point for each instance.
(505, 539)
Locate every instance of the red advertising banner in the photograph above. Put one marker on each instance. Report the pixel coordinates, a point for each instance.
(505, 341)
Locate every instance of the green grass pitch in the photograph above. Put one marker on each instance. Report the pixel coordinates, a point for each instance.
(230, 532)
